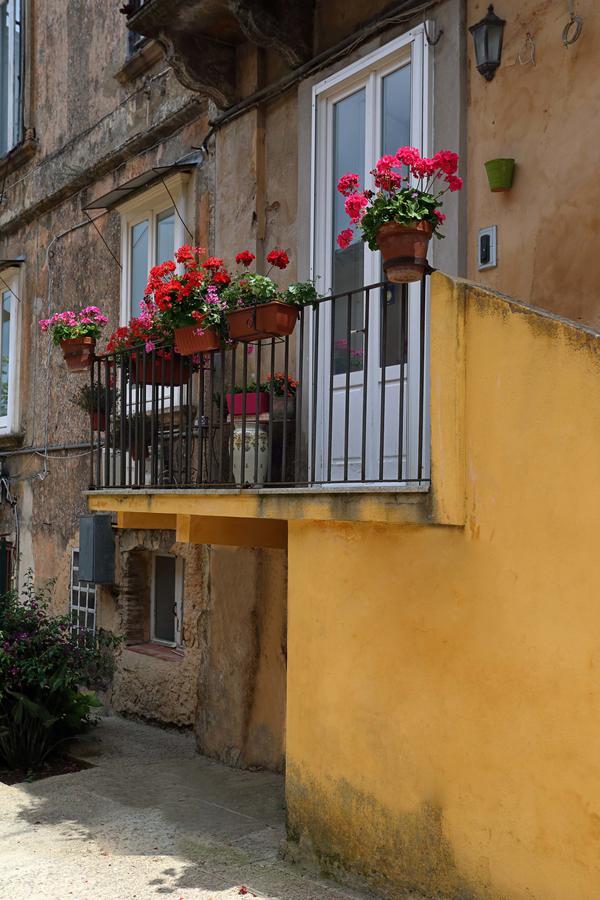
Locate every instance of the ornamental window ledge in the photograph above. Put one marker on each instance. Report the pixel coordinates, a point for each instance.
(140, 62)
(19, 155)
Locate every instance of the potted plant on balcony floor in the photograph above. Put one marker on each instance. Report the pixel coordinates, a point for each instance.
(257, 308)
(96, 402)
(283, 401)
(400, 216)
(76, 333)
(190, 303)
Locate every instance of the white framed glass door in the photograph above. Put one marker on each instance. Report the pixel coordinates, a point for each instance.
(368, 342)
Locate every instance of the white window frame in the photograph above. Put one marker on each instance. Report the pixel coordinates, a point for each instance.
(149, 205)
(374, 66)
(10, 280)
(82, 590)
(13, 130)
(178, 600)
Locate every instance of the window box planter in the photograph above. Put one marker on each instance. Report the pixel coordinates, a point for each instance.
(78, 353)
(188, 342)
(263, 321)
(146, 371)
(254, 402)
(404, 250)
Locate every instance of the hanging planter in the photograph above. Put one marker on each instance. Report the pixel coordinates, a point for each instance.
(500, 174)
(403, 212)
(145, 370)
(404, 250)
(188, 341)
(76, 334)
(78, 353)
(266, 320)
(258, 309)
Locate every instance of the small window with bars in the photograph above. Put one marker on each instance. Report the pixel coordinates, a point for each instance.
(83, 600)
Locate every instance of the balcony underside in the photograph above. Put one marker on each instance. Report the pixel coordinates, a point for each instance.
(257, 517)
(200, 37)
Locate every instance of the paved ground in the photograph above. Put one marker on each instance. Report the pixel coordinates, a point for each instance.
(151, 819)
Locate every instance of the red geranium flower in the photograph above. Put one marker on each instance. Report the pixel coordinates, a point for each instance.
(344, 238)
(278, 258)
(213, 262)
(454, 182)
(245, 258)
(221, 278)
(348, 183)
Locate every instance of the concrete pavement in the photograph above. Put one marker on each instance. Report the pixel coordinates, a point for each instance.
(150, 819)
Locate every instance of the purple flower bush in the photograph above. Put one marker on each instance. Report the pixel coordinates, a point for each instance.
(44, 667)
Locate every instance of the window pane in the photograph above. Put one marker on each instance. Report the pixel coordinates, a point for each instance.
(164, 598)
(5, 351)
(165, 235)
(396, 110)
(16, 86)
(4, 85)
(347, 265)
(139, 264)
(395, 133)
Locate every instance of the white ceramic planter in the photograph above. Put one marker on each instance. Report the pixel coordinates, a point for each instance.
(256, 444)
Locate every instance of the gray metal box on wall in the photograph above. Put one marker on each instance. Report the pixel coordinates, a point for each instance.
(96, 549)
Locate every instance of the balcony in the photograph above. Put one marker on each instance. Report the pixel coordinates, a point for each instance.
(201, 37)
(354, 414)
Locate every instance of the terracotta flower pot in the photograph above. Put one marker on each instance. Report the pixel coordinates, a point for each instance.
(188, 342)
(142, 370)
(266, 320)
(280, 407)
(253, 401)
(98, 421)
(404, 250)
(78, 353)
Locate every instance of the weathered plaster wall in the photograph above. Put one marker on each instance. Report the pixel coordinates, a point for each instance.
(159, 689)
(241, 708)
(93, 133)
(544, 116)
(442, 690)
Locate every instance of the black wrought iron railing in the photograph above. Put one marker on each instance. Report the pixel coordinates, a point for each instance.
(340, 402)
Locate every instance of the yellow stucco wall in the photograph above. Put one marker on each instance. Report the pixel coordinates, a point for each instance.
(444, 681)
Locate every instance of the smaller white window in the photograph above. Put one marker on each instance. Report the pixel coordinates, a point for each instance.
(151, 231)
(82, 600)
(166, 600)
(9, 350)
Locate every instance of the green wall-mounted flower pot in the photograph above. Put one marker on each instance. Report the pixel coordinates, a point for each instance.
(500, 174)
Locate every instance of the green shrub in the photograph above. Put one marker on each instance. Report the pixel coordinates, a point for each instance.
(44, 667)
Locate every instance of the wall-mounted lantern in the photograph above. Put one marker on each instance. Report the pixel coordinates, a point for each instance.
(487, 38)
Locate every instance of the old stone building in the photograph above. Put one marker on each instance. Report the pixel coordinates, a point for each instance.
(409, 560)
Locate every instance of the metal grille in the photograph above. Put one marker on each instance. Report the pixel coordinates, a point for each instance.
(83, 601)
